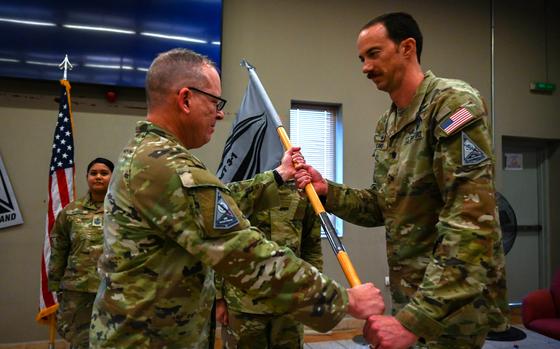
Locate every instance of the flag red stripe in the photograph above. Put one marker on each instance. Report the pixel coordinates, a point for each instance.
(461, 112)
(50, 211)
(48, 298)
(62, 187)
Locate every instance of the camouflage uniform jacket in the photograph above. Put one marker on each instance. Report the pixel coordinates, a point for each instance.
(76, 244)
(293, 224)
(169, 224)
(433, 190)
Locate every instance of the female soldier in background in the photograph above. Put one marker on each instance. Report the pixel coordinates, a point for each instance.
(77, 243)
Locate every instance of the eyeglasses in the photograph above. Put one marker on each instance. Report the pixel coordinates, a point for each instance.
(220, 104)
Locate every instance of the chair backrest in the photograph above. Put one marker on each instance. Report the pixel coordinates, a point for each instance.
(555, 291)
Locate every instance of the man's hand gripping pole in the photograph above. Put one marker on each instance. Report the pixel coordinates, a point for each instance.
(336, 244)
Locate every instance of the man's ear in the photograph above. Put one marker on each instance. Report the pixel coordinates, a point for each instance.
(409, 47)
(183, 98)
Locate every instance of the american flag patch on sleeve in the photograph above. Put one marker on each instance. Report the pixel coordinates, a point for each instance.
(458, 119)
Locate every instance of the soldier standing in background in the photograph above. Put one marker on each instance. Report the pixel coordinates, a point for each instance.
(77, 243)
(170, 223)
(246, 323)
(433, 190)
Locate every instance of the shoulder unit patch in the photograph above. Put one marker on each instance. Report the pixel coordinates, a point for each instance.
(472, 154)
(223, 215)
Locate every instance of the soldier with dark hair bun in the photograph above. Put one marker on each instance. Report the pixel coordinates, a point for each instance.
(76, 244)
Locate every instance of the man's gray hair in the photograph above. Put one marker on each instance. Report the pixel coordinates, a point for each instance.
(171, 68)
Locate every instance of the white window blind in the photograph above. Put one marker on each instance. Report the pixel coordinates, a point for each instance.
(317, 130)
(314, 132)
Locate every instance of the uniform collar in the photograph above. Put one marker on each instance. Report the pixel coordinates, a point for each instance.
(413, 110)
(88, 203)
(147, 126)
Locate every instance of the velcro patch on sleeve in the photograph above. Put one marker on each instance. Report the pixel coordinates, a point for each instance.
(472, 154)
(224, 218)
(456, 120)
(199, 177)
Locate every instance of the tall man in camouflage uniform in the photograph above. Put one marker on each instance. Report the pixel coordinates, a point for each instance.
(170, 223)
(433, 190)
(246, 323)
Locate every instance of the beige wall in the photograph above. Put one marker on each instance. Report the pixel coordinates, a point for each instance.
(303, 50)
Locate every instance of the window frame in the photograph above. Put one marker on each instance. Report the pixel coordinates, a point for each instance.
(335, 109)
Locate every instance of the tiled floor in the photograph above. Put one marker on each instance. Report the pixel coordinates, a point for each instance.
(533, 341)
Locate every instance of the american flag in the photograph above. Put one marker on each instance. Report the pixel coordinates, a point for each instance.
(61, 192)
(458, 119)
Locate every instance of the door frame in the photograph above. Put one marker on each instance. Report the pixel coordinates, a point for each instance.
(542, 149)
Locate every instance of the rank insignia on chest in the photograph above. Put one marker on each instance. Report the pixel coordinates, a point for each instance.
(223, 215)
(97, 221)
(472, 154)
(379, 140)
(413, 136)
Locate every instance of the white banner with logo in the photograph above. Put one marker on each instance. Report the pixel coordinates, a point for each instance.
(9, 210)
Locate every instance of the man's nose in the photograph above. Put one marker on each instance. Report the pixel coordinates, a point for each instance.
(366, 67)
(220, 115)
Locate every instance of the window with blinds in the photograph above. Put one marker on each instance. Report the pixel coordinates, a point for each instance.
(317, 129)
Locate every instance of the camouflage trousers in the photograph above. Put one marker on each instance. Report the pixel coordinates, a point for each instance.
(455, 342)
(467, 328)
(73, 317)
(261, 331)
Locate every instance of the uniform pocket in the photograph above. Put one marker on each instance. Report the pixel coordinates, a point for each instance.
(470, 319)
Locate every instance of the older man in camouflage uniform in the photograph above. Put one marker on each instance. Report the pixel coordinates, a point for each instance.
(170, 223)
(433, 190)
(246, 322)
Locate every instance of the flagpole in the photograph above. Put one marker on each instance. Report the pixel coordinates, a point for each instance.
(334, 241)
(52, 330)
(65, 65)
